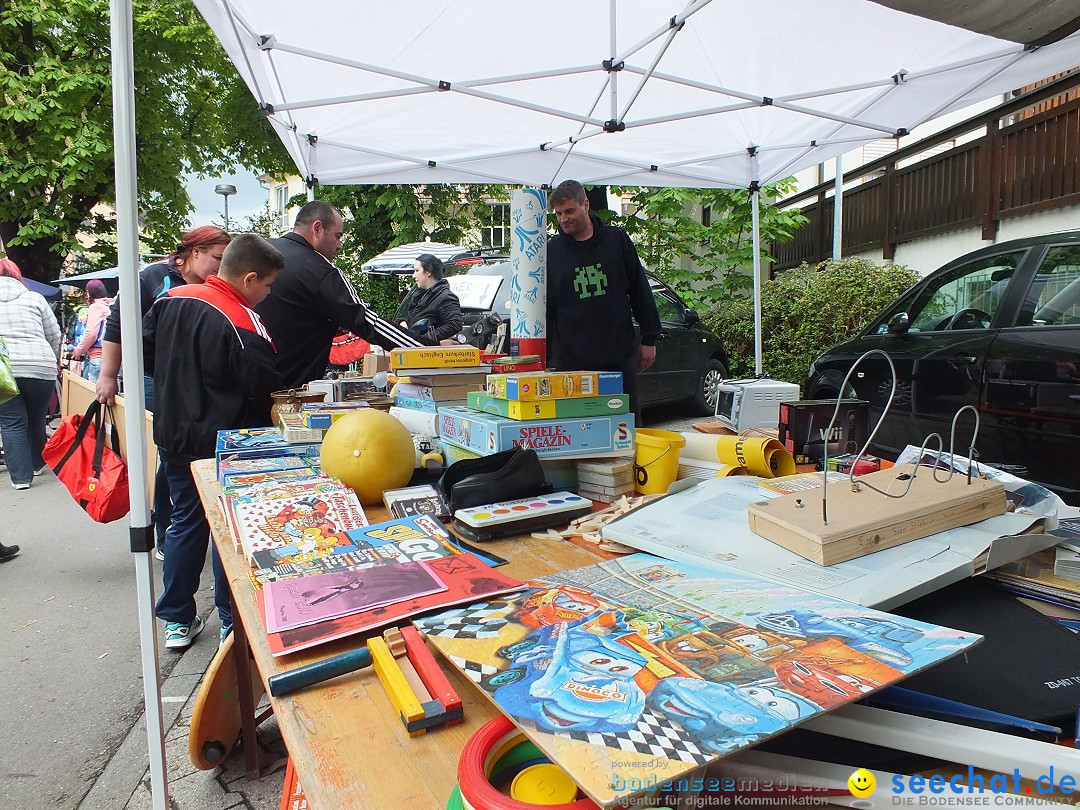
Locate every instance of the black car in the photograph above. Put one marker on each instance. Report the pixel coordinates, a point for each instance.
(998, 329)
(690, 359)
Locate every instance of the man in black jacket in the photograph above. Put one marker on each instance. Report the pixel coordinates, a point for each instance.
(313, 299)
(596, 285)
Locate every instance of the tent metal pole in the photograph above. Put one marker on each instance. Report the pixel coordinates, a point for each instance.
(756, 218)
(838, 211)
(613, 75)
(141, 530)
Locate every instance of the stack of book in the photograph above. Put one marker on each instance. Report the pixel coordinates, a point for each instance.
(429, 377)
(575, 414)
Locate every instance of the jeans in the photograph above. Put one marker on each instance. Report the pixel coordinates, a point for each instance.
(22, 425)
(162, 505)
(91, 369)
(186, 542)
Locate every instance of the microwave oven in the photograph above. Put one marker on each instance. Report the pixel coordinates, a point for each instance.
(752, 403)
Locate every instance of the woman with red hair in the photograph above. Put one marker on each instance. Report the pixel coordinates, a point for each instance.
(32, 335)
(197, 257)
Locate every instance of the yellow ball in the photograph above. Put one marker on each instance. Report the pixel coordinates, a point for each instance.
(369, 450)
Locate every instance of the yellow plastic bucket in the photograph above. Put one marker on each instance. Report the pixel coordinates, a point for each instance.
(656, 459)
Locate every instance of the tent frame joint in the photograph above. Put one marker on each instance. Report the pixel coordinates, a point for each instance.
(766, 101)
(267, 42)
(141, 538)
(443, 85)
(266, 109)
(311, 181)
(614, 126)
(312, 139)
(613, 67)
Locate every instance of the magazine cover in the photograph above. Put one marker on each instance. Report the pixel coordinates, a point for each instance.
(631, 672)
(295, 602)
(304, 522)
(467, 579)
(400, 540)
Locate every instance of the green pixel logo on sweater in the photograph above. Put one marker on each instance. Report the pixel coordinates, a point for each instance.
(590, 281)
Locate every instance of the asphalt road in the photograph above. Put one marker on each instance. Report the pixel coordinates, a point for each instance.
(69, 640)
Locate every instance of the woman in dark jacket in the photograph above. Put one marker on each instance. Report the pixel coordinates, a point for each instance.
(434, 314)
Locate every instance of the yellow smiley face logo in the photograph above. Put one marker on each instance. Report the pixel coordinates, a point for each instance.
(862, 783)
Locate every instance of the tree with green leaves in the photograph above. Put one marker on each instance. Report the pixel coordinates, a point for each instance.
(668, 224)
(193, 114)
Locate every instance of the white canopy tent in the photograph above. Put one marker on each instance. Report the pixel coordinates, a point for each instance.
(707, 93)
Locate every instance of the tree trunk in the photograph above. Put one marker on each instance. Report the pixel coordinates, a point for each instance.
(35, 260)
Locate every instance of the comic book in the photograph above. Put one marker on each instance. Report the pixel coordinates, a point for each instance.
(399, 540)
(632, 672)
(422, 499)
(467, 579)
(233, 483)
(295, 602)
(304, 521)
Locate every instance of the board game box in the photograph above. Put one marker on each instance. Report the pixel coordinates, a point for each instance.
(552, 438)
(554, 384)
(549, 408)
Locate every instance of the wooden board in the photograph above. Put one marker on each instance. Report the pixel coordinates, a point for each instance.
(637, 671)
(215, 721)
(864, 521)
(76, 396)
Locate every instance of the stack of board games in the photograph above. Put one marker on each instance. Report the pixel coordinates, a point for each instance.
(428, 377)
(576, 414)
(605, 480)
(321, 415)
(516, 365)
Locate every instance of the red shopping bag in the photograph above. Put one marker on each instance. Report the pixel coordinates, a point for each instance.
(94, 473)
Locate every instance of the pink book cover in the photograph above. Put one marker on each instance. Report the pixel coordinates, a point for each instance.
(467, 579)
(293, 603)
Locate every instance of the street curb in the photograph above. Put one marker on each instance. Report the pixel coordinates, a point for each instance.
(129, 766)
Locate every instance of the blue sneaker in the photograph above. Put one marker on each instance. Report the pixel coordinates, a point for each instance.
(224, 634)
(178, 635)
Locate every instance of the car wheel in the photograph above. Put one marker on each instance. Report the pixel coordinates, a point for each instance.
(705, 396)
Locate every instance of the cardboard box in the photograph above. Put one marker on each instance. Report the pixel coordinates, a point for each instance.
(434, 357)
(318, 415)
(374, 363)
(554, 384)
(294, 429)
(549, 408)
(551, 438)
(803, 422)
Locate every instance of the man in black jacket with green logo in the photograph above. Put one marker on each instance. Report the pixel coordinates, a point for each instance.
(596, 286)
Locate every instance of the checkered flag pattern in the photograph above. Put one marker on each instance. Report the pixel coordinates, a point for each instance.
(483, 620)
(473, 671)
(654, 734)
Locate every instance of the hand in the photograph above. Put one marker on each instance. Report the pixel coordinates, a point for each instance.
(646, 356)
(106, 389)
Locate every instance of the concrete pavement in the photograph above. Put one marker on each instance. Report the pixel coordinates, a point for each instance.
(69, 659)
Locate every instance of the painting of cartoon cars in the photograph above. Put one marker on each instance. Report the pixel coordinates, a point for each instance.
(726, 716)
(879, 638)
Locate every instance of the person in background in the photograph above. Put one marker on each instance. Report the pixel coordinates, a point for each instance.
(313, 299)
(29, 328)
(214, 369)
(195, 259)
(434, 313)
(89, 348)
(596, 287)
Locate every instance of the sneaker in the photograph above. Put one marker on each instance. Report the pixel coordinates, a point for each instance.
(159, 554)
(9, 552)
(224, 634)
(19, 486)
(178, 636)
(42, 470)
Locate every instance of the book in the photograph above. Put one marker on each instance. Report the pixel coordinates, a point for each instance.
(251, 443)
(417, 403)
(236, 482)
(1034, 575)
(597, 663)
(264, 465)
(423, 499)
(436, 393)
(296, 432)
(429, 357)
(467, 579)
(292, 792)
(293, 603)
(436, 377)
(705, 524)
(303, 522)
(417, 546)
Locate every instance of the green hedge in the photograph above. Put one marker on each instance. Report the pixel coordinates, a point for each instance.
(805, 311)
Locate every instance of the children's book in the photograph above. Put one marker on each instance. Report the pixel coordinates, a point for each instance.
(233, 483)
(423, 499)
(275, 488)
(467, 579)
(399, 540)
(304, 521)
(296, 602)
(632, 672)
(264, 465)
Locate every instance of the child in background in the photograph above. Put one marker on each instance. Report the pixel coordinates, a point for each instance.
(210, 355)
(88, 349)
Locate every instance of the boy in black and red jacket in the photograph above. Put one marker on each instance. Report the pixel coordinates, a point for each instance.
(213, 365)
